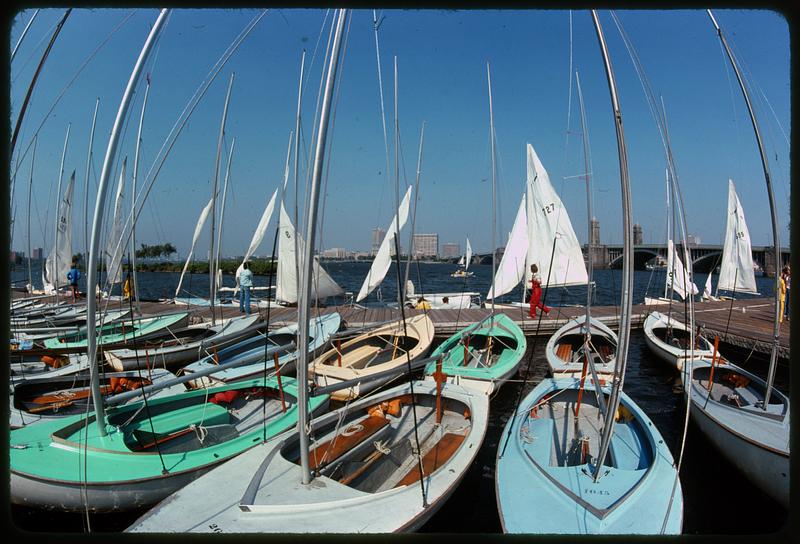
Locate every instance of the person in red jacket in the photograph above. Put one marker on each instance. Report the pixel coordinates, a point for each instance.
(536, 292)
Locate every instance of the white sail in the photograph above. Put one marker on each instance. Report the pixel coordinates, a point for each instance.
(512, 265)
(736, 271)
(286, 283)
(677, 275)
(383, 258)
(707, 289)
(461, 261)
(468, 257)
(114, 249)
(59, 261)
(258, 235)
(547, 221)
(197, 229)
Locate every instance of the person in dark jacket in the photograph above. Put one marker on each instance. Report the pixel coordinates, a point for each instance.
(73, 276)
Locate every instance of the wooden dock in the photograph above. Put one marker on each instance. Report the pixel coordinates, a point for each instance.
(746, 323)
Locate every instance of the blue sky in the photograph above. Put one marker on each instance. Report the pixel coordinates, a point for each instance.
(442, 58)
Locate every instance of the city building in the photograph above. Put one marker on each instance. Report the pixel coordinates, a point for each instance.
(595, 241)
(37, 254)
(693, 240)
(377, 237)
(450, 250)
(638, 238)
(335, 253)
(425, 245)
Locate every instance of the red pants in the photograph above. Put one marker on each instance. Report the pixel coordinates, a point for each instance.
(536, 296)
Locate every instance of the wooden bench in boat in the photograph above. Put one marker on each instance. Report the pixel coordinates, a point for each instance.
(605, 352)
(356, 358)
(436, 457)
(564, 352)
(332, 449)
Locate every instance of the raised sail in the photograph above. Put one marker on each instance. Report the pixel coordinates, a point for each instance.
(114, 250)
(547, 221)
(512, 266)
(383, 258)
(468, 257)
(197, 229)
(676, 273)
(736, 271)
(286, 288)
(258, 235)
(59, 261)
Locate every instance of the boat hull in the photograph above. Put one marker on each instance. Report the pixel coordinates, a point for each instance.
(560, 368)
(670, 354)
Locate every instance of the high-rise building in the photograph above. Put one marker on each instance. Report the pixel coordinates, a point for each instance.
(638, 239)
(335, 253)
(425, 245)
(450, 250)
(37, 254)
(377, 237)
(595, 237)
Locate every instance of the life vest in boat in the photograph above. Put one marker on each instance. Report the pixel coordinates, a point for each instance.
(623, 414)
(54, 361)
(225, 396)
(737, 380)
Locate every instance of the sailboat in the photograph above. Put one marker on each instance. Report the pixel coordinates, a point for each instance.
(736, 272)
(380, 464)
(547, 231)
(127, 456)
(578, 456)
(744, 416)
(584, 343)
(463, 264)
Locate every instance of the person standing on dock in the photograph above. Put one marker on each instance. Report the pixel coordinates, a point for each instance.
(245, 283)
(127, 287)
(787, 278)
(536, 292)
(73, 276)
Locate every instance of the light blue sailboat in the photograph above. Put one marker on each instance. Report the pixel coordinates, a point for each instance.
(578, 456)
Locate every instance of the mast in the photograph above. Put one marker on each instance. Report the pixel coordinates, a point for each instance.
(669, 232)
(55, 277)
(35, 77)
(401, 290)
(30, 191)
(304, 298)
(494, 179)
(773, 358)
(91, 272)
(296, 164)
(589, 267)
(86, 187)
(414, 214)
(133, 194)
(211, 265)
(222, 210)
(22, 36)
(627, 253)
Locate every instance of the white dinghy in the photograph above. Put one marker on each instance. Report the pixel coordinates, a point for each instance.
(669, 339)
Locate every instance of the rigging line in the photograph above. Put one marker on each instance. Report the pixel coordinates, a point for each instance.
(190, 107)
(332, 137)
(75, 76)
(34, 50)
(736, 156)
(376, 25)
(569, 95)
(411, 382)
(530, 356)
(35, 78)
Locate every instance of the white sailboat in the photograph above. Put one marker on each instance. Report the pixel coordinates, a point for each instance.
(59, 261)
(736, 273)
(463, 264)
(548, 232)
(114, 250)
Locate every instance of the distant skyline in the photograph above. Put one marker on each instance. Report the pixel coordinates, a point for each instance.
(441, 57)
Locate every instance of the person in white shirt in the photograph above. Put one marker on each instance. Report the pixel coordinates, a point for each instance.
(245, 283)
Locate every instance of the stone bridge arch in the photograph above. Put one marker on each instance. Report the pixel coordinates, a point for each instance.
(640, 257)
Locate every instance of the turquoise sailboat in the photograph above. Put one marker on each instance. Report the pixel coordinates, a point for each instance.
(119, 332)
(578, 456)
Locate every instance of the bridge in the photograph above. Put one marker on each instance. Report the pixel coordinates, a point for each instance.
(705, 257)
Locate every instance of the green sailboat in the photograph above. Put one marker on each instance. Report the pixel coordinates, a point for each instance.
(120, 332)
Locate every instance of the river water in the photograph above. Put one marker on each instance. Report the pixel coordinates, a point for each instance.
(717, 498)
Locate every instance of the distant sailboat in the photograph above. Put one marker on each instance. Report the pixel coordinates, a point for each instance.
(463, 263)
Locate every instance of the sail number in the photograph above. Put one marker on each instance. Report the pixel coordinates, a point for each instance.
(740, 235)
(549, 208)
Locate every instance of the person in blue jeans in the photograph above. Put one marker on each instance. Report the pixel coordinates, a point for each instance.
(245, 283)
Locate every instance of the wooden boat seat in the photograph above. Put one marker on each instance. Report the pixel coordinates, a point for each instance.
(358, 357)
(436, 457)
(564, 352)
(605, 352)
(332, 449)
